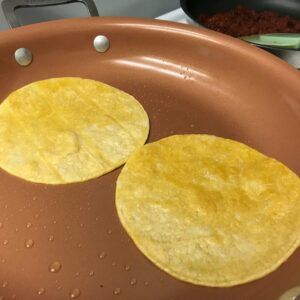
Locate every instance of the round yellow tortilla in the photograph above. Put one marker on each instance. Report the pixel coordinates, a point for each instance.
(65, 130)
(208, 210)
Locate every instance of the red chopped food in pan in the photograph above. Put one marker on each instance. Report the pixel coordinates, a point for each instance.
(242, 21)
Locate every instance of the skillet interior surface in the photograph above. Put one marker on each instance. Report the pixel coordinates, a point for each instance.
(189, 80)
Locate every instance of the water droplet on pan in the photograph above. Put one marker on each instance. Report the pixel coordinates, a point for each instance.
(117, 291)
(75, 293)
(55, 267)
(127, 268)
(28, 225)
(102, 255)
(91, 274)
(41, 291)
(29, 243)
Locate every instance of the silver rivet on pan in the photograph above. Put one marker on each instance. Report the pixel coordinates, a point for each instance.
(23, 57)
(292, 294)
(101, 43)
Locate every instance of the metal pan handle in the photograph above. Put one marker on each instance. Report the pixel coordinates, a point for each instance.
(9, 7)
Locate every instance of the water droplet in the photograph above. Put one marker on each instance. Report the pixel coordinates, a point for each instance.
(81, 225)
(5, 206)
(17, 229)
(77, 274)
(5, 242)
(117, 291)
(102, 255)
(75, 293)
(127, 268)
(114, 264)
(44, 227)
(13, 296)
(55, 267)
(59, 287)
(34, 198)
(54, 221)
(109, 231)
(29, 243)
(41, 291)
(5, 284)
(97, 219)
(1, 225)
(28, 225)
(51, 238)
(146, 283)
(79, 246)
(91, 274)
(80, 208)
(133, 281)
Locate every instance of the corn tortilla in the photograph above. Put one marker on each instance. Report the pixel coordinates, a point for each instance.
(65, 130)
(209, 211)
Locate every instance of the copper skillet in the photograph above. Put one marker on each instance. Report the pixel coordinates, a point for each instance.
(189, 80)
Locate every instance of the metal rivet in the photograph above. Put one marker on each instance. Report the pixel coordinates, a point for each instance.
(101, 43)
(23, 57)
(292, 294)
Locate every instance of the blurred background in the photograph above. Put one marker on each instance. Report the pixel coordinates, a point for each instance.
(136, 8)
